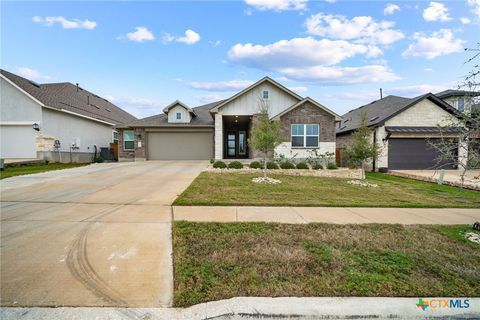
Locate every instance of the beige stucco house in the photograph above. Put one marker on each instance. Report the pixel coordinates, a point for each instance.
(220, 130)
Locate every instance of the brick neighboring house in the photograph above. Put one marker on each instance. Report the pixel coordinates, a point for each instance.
(220, 130)
(405, 129)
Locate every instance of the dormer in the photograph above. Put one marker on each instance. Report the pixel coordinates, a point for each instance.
(179, 112)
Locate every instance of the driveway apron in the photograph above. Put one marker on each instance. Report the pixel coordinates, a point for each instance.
(92, 236)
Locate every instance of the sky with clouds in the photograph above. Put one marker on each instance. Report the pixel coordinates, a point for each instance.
(144, 55)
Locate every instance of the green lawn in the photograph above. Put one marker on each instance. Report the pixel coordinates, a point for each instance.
(36, 168)
(237, 189)
(215, 261)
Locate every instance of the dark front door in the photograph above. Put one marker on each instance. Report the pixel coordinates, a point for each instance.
(414, 154)
(231, 144)
(236, 144)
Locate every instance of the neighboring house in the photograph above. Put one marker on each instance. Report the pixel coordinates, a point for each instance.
(54, 121)
(463, 101)
(221, 129)
(404, 128)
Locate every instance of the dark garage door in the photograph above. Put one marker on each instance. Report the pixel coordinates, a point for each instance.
(413, 154)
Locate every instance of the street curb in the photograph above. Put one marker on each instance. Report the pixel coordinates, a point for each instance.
(271, 308)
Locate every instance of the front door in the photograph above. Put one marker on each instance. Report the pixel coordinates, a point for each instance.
(236, 144)
(231, 144)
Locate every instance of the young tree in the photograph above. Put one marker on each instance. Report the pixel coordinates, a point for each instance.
(464, 151)
(266, 134)
(362, 149)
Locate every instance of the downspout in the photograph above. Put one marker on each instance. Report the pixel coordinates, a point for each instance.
(374, 143)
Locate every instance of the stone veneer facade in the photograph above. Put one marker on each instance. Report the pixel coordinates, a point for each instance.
(138, 154)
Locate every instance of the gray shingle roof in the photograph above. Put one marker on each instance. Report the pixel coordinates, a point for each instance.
(456, 93)
(65, 96)
(379, 111)
(203, 118)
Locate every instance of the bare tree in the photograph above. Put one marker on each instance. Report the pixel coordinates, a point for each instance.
(463, 151)
(266, 133)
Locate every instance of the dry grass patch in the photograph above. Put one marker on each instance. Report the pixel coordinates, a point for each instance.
(229, 189)
(217, 261)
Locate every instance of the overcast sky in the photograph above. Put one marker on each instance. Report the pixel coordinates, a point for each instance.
(142, 56)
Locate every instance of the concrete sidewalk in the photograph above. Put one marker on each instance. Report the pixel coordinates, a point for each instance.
(299, 215)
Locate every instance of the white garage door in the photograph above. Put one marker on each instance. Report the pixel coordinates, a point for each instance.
(191, 145)
(17, 142)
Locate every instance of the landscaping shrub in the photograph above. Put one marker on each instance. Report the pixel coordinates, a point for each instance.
(235, 165)
(302, 165)
(255, 165)
(317, 166)
(212, 161)
(272, 165)
(331, 166)
(219, 165)
(98, 159)
(287, 165)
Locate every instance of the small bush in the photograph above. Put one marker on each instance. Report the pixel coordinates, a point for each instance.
(287, 165)
(219, 165)
(98, 159)
(302, 165)
(272, 165)
(317, 166)
(212, 161)
(255, 165)
(331, 166)
(235, 165)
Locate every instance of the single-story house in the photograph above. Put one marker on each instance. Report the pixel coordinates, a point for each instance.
(54, 121)
(404, 128)
(220, 130)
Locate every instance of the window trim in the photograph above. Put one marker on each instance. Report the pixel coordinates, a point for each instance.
(124, 140)
(178, 115)
(263, 95)
(304, 135)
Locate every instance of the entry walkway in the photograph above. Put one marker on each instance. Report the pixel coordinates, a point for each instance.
(299, 215)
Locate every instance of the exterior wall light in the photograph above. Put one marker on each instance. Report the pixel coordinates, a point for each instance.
(36, 127)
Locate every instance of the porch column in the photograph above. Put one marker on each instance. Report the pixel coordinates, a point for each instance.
(218, 136)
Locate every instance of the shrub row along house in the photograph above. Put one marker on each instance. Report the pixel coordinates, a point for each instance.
(81, 122)
(59, 122)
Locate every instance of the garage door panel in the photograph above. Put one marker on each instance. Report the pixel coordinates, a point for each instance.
(413, 154)
(180, 145)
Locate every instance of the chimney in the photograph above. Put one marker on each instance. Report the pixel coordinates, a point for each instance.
(381, 94)
(77, 86)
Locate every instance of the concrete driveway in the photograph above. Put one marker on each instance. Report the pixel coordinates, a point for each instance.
(91, 236)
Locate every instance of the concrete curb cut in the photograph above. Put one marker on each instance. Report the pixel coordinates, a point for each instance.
(267, 308)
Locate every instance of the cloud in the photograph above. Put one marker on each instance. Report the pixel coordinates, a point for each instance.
(415, 90)
(141, 34)
(465, 20)
(65, 23)
(215, 43)
(208, 98)
(231, 85)
(32, 74)
(428, 70)
(362, 29)
(139, 107)
(390, 9)
(439, 43)
(340, 75)
(298, 51)
(277, 5)
(436, 12)
(190, 37)
(298, 90)
(475, 7)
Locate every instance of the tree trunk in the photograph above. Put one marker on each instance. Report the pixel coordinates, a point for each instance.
(363, 170)
(265, 165)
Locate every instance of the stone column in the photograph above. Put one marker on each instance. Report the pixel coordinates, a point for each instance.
(218, 142)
